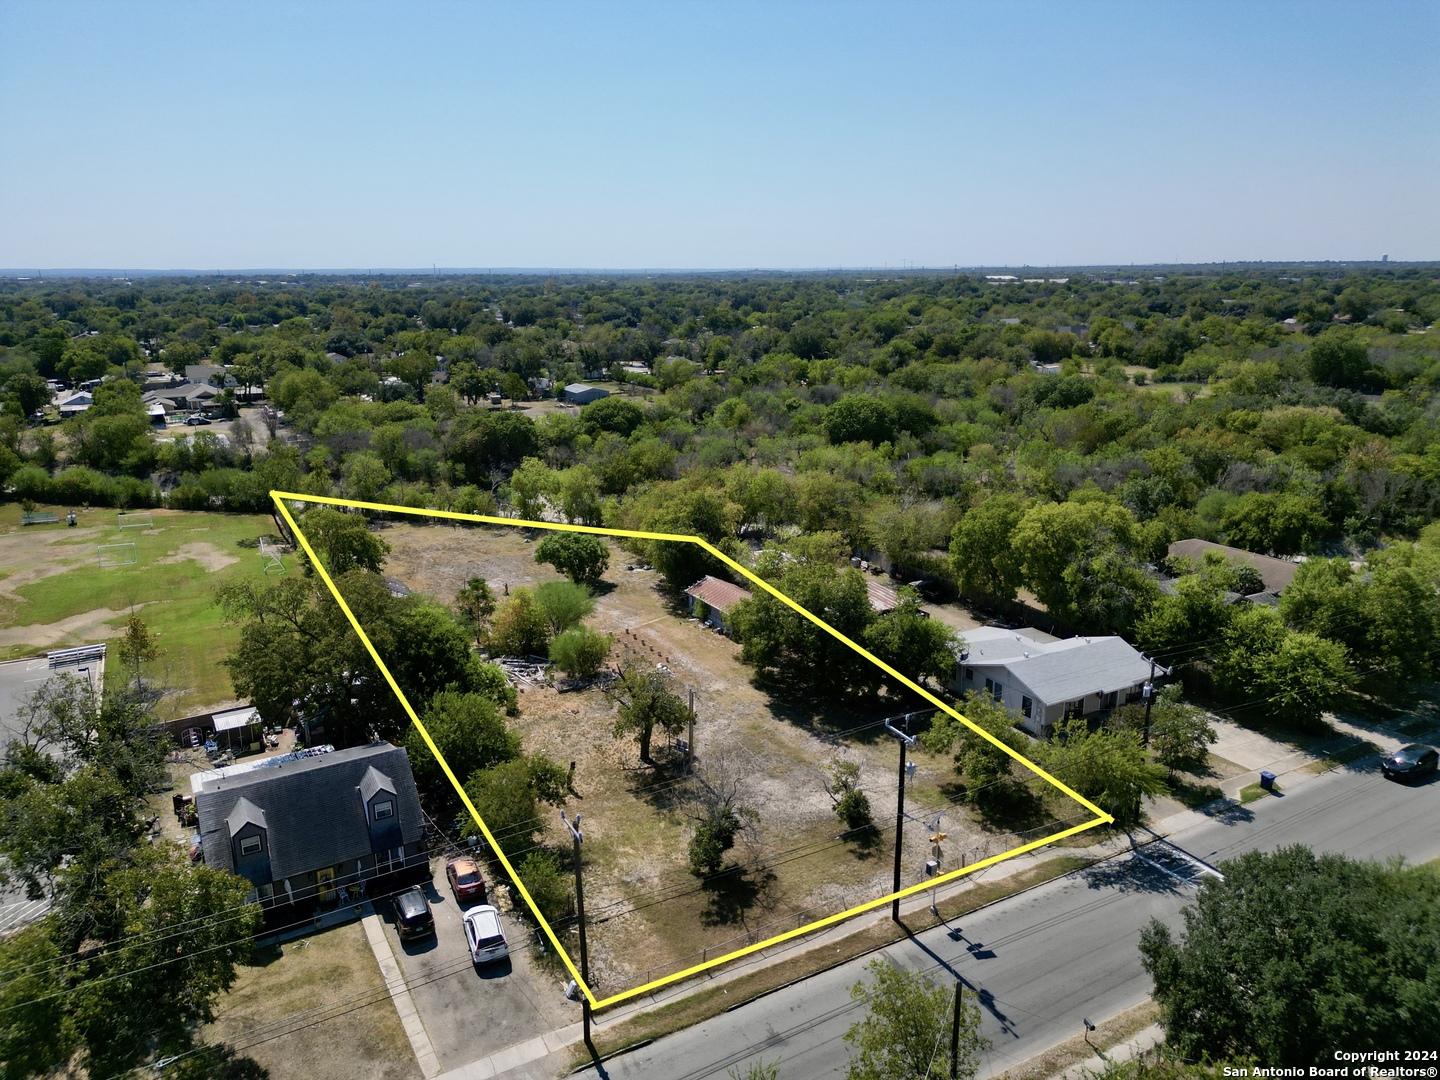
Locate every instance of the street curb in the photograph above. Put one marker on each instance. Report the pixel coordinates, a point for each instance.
(612, 1054)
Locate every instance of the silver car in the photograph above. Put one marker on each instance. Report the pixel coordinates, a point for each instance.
(485, 935)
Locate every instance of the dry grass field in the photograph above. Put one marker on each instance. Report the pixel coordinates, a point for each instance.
(649, 916)
(316, 1009)
(53, 593)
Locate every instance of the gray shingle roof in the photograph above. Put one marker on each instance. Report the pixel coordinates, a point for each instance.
(244, 813)
(374, 780)
(1098, 666)
(1276, 573)
(312, 809)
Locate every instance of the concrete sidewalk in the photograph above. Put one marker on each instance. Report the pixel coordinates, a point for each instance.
(425, 1055)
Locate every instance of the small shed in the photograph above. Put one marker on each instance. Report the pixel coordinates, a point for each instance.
(718, 597)
(882, 598)
(241, 728)
(583, 393)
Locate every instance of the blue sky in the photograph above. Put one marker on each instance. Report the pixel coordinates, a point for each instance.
(688, 135)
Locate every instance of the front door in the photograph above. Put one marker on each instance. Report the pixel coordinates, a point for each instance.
(325, 884)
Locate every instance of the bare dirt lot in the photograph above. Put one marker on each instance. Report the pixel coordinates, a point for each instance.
(648, 915)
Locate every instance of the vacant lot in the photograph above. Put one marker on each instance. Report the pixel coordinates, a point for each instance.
(317, 1008)
(53, 593)
(649, 915)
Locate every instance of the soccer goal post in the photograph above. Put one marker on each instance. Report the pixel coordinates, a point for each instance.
(270, 554)
(136, 520)
(116, 555)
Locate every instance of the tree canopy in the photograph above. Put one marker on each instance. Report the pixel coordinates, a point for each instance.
(1295, 956)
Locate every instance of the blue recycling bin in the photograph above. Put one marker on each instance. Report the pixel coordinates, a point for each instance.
(1267, 781)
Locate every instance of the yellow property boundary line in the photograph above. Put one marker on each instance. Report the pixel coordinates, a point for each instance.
(1101, 818)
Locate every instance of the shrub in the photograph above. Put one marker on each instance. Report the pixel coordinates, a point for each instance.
(520, 627)
(564, 604)
(548, 884)
(580, 651)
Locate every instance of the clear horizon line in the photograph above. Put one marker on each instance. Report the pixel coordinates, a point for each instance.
(469, 271)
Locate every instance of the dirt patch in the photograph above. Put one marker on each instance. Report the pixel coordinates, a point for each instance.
(317, 1008)
(86, 626)
(205, 553)
(18, 547)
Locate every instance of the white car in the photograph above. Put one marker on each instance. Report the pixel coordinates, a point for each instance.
(485, 935)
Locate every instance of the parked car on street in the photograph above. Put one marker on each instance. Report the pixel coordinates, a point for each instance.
(412, 915)
(485, 935)
(1411, 762)
(465, 881)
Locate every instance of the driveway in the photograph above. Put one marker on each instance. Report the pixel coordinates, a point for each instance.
(472, 1012)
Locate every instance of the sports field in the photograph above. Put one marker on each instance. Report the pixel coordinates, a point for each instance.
(54, 594)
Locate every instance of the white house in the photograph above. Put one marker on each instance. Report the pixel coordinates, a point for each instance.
(1043, 680)
(74, 404)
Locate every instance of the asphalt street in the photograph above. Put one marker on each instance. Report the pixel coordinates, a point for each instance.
(1044, 960)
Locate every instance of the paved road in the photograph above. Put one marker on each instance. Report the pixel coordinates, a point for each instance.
(1045, 959)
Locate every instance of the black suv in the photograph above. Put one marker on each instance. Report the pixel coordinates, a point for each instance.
(1410, 762)
(412, 915)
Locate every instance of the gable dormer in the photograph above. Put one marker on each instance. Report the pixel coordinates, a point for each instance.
(249, 841)
(382, 808)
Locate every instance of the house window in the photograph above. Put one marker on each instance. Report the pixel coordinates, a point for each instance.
(1026, 705)
(249, 845)
(994, 689)
(384, 810)
(266, 891)
(1075, 708)
(969, 674)
(1107, 701)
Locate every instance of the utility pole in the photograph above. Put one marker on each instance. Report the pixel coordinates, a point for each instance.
(906, 741)
(1149, 697)
(580, 915)
(690, 736)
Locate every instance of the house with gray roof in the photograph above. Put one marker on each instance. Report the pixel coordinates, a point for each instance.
(302, 831)
(182, 397)
(1043, 679)
(583, 394)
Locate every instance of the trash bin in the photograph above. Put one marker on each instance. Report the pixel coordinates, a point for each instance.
(1267, 781)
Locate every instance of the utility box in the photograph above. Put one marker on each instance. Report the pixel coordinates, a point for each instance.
(932, 867)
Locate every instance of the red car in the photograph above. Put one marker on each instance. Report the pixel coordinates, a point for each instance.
(465, 881)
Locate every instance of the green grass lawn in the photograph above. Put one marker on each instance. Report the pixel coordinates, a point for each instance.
(175, 596)
(1250, 792)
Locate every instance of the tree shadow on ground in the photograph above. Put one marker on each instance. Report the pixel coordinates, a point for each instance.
(1130, 876)
(1014, 807)
(1191, 795)
(733, 892)
(661, 786)
(856, 718)
(866, 842)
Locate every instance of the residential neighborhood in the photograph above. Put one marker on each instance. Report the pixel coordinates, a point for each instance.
(803, 542)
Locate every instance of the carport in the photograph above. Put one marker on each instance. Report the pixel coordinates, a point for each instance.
(241, 728)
